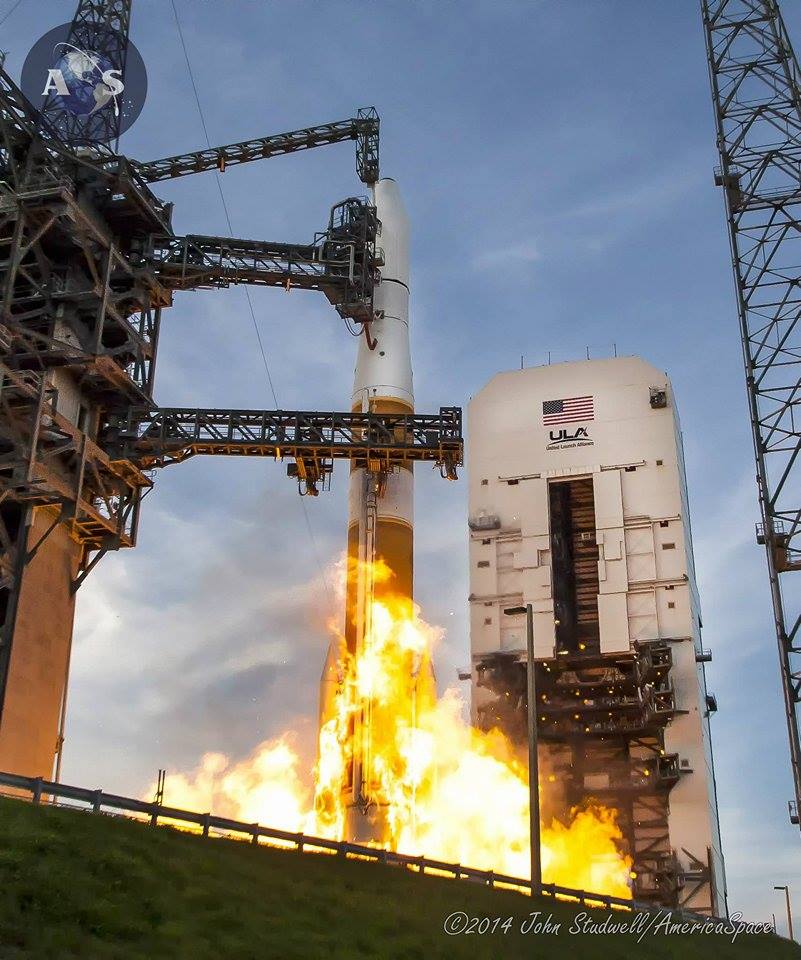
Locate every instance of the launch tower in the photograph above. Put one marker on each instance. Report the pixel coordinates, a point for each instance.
(89, 261)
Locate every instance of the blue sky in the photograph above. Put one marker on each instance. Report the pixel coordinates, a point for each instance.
(556, 160)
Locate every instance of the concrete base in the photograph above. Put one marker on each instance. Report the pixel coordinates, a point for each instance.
(40, 654)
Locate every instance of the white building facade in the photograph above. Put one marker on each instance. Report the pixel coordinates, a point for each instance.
(578, 506)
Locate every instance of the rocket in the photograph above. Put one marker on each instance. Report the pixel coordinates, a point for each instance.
(380, 508)
(381, 514)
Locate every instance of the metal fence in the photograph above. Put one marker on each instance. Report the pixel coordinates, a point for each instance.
(97, 801)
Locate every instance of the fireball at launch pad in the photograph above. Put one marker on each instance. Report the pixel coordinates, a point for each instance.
(432, 785)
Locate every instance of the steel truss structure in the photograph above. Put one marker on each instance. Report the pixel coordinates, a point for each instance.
(342, 261)
(601, 721)
(88, 262)
(156, 437)
(363, 128)
(756, 93)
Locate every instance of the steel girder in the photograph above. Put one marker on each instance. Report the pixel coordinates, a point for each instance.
(46, 460)
(155, 437)
(756, 93)
(363, 128)
(79, 327)
(89, 310)
(26, 138)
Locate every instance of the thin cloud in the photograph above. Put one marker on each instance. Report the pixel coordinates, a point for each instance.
(516, 255)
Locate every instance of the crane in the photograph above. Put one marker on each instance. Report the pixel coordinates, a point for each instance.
(756, 94)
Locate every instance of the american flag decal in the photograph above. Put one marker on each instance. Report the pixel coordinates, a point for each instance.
(556, 412)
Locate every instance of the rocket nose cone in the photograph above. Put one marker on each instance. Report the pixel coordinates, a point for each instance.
(394, 231)
(389, 201)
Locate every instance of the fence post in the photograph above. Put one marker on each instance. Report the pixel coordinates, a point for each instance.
(299, 842)
(96, 800)
(254, 836)
(37, 790)
(206, 824)
(491, 878)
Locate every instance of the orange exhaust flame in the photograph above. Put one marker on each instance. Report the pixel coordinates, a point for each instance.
(431, 785)
(264, 788)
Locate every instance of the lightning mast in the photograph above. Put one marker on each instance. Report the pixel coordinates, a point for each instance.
(756, 92)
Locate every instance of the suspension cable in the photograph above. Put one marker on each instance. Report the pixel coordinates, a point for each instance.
(245, 288)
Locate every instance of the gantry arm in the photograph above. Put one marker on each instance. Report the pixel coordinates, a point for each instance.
(363, 128)
(341, 261)
(156, 437)
(197, 262)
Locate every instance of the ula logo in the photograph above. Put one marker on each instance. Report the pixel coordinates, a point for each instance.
(90, 84)
(558, 439)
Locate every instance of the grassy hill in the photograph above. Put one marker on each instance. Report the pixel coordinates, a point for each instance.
(78, 885)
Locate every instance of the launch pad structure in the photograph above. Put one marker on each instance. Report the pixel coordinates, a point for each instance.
(89, 261)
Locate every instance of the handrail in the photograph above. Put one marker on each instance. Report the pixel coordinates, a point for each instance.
(98, 799)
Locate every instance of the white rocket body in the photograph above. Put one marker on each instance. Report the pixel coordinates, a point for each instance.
(380, 515)
(385, 373)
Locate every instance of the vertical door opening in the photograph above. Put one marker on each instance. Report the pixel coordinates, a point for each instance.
(574, 565)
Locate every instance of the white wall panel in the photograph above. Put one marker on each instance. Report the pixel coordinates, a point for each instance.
(544, 634)
(608, 499)
(640, 554)
(643, 620)
(534, 508)
(614, 623)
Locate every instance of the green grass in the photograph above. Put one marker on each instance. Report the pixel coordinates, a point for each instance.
(77, 885)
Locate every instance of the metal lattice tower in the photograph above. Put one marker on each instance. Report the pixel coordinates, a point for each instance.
(756, 91)
(101, 27)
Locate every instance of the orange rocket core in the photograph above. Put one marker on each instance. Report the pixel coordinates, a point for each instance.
(394, 546)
